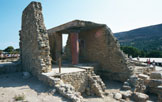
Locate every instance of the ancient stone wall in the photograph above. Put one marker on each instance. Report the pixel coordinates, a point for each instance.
(34, 42)
(97, 45)
(77, 79)
(101, 47)
(55, 40)
(85, 82)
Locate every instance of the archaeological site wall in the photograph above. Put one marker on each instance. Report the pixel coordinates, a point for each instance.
(101, 47)
(34, 42)
(96, 45)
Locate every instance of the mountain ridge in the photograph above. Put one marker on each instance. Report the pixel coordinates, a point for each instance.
(145, 38)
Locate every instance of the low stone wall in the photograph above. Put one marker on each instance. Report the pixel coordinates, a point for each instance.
(85, 82)
(75, 84)
(77, 79)
(10, 67)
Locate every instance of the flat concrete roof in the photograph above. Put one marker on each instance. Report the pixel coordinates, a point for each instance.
(75, 25)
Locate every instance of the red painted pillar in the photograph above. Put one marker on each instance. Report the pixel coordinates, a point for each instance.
(74, 47)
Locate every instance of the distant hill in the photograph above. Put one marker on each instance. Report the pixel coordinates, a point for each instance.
(145, 38)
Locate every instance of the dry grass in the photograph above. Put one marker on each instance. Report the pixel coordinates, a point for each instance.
(19, 97)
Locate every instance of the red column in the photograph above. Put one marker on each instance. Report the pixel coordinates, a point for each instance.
(74, 47)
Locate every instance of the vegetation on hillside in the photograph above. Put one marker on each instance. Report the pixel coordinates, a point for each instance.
(135, 52)
(145, 38)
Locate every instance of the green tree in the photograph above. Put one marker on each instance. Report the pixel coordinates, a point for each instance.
(9, 49)
(155, 54)
(17, 50)
(134, 52)
(143, 53)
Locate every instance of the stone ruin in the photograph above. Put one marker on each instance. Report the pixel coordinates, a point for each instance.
(88, 42)
(90, 47)
(94, 43)
(90, 55)
(34, 44)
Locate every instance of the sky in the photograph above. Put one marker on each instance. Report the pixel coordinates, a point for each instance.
(119, 15)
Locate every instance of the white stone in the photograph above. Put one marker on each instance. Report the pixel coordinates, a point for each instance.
(140, 97)
(144, 76)
(126, 94)
(117, 96)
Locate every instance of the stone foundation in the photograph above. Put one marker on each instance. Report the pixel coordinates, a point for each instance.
(76, 84)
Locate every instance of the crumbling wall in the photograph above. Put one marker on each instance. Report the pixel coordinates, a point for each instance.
(77, 79)
(52, 43)
(101, 47)
(34, 44)
(97, 45)
(55, 41)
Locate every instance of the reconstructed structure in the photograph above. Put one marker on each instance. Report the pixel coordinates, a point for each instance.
(90, 43)
(87, 43)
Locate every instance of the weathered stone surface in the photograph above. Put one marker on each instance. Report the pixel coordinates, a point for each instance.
(140, 97)
(85, 82)
(97, 87)
(69, 92)
(125, 87)
(156, 75)
(78, 79)
(34, 44)
(155, 82)
(126, 94)
(117, 96)
(137, 83)
(144, 76)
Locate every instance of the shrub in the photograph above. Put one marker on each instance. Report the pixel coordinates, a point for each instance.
(19, 97)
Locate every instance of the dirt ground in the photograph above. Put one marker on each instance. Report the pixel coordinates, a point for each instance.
(33, 90)
(12, 85)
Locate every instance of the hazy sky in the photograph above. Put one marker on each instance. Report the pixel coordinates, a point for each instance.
(119, 15)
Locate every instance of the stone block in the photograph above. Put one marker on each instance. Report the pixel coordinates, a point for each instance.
(140, 97)
(126, 87)
(126, 94)
(117, 96)
(155, 82)
(156, 75)
(144, 76)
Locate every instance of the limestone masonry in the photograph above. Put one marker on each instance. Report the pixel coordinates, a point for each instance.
(34, 44)
(91, 54)
(88, 44)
